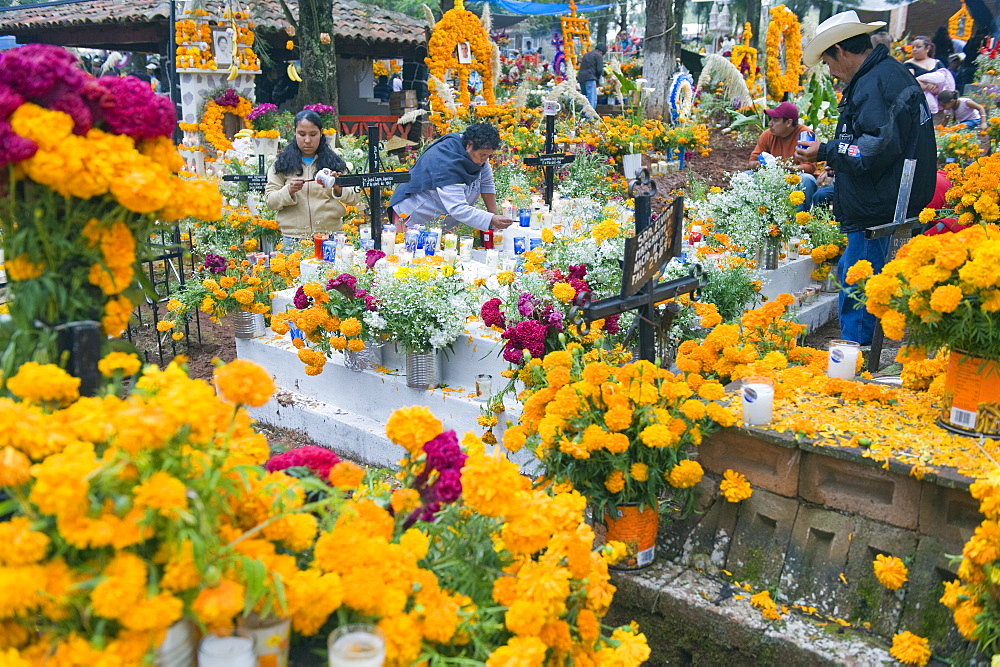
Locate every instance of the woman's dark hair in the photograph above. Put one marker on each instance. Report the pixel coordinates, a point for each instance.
(481, 135)
(289, 162)
(946, 96)
(857, 44)
(943, 46)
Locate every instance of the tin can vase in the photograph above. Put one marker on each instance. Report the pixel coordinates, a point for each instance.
(631, 164)
(970, 404)
(248, 325)
(367, 358)
(270, 636)
(179, 647)
(637, 530)
(769, 254)
(421, 369)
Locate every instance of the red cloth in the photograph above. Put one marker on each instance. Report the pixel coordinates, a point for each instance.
(944, 226)
(941, 186)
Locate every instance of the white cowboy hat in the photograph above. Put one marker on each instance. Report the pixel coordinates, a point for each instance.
(835, 29)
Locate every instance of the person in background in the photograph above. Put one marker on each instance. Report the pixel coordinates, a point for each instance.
(933, 75)
(382, 88)
(590, 72)
(448, 178)
(882, 37)
(824, 193)
(955, 61)
(943, 46)
(304, 207)
(623, 45)
(397, 83)
(967, 112)
(884, 120)
(779, 140)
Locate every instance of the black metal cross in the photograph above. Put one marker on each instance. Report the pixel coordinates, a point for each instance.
(374, 181)
(255, 182)
(656, 240)
(549, 160)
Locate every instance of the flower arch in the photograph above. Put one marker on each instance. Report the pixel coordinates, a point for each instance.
(744, 57)
(783, 31)
(456, 26)
(211, 119)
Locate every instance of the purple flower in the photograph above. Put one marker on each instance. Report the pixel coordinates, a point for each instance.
(373, 256)
(526, 304)
(229, 98)
(215, 263)
(345, 279)
(428, 512)
(317, 459)
(40, 72)
(491, 315)
(14, 147)
(260, 110)
(611, 324)
(448, 487)
(320, 108)
(553, 318)
(528, 335)
(370, 302)
(578, 271)
(443, 452)
(128, 105)
(9, 101)
(301, 301)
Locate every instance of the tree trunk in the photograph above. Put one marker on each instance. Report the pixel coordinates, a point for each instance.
(319, 59)
(601, 34)
(753, 16)
(623, 15)
(661, 47)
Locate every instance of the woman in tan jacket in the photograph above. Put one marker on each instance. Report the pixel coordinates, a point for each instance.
(304, 207)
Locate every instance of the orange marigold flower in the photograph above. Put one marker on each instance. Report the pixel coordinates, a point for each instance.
(910, 649)
(685, 474)
(735, 486)
(945, 299)
(890, 571)
(244, 383)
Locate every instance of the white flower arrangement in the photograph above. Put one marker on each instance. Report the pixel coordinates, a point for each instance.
(754, 206)
(423, 308)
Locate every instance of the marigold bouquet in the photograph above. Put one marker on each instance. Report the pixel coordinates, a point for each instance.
(340, 315)
(955, 144)
(942, 290)
(617, 434)
(423, 308)
(140, 511)
(975, 191)
(89, 170)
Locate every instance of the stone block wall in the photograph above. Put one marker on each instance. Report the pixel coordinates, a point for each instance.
(817, 519)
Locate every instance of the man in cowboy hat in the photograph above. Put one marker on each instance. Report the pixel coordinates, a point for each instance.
(883, 121)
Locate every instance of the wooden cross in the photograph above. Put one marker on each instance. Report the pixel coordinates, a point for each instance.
(255, 182)
(374, 181)
(901, 229)
(657, 239)
(548, 160)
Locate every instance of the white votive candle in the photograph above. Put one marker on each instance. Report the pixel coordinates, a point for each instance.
(492, 259)
(226, 652)
(389, 242)
(450, 242)
(843, 359)
(758, 400)
(449, 256)
(356, 645)
(364, 232)
(465, 248)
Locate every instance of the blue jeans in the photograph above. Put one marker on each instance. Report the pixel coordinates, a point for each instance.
(856, 323)
(807, 183)
(590, 92)
(971, 124)
(823, 196)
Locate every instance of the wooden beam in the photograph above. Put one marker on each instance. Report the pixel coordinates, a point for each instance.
(100, 36)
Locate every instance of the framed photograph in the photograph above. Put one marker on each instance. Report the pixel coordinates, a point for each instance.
(464, 53)
(222, 45)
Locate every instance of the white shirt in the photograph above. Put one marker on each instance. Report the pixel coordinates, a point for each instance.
(454, 201)
(397, 85)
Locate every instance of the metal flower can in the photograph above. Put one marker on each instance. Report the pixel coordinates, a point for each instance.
(970, 404)
(637, 530)
(421, 369)
(248, 325)
(364, 359)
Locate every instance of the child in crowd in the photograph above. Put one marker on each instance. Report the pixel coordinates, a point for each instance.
(967, 112)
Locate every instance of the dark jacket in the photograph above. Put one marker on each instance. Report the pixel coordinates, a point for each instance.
(883, 120)
(591, 66)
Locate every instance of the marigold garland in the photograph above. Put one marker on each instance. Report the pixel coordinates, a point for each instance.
(456, 26)
(211, 122)
(784, 30)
